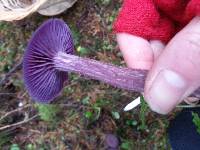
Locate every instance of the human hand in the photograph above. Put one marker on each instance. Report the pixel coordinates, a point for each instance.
(174, 68)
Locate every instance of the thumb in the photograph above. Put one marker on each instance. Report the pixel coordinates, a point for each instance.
(176, 73)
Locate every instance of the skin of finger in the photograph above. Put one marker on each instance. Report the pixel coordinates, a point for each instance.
(137, 52)
(157, 47)
(182, 55)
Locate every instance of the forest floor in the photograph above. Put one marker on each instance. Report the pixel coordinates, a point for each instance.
(87, 110)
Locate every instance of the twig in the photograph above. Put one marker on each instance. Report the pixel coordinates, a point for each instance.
(7, 94)
(26, 119)
(13, 111)
(74, 104)
(13, 70)
(188, 106)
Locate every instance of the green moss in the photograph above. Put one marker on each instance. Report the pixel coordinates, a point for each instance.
(48, 112)
(142, 115)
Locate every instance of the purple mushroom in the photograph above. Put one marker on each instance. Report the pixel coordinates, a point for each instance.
(49, 56)
(112, 142)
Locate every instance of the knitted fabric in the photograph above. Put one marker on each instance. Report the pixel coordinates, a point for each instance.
(155, 19)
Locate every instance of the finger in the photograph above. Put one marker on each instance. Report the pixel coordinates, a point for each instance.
(157, 47)
(176, 73)
(137, 52)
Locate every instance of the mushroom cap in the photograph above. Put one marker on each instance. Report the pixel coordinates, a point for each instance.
(42, 80)
(112, 141)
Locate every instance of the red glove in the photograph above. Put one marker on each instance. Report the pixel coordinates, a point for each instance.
(155, 19)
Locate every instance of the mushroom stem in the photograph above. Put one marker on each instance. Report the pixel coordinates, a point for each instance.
(120, 77)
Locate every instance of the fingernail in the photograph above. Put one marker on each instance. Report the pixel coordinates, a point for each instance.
(166, 91)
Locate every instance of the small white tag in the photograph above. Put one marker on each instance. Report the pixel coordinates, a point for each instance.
(133, 104)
